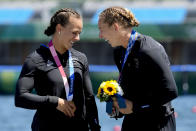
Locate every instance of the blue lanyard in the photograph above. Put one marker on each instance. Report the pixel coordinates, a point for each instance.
(132, 39)
(71, 72)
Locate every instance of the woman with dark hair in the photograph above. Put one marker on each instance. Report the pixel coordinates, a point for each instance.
(59, 74)
(145, 74)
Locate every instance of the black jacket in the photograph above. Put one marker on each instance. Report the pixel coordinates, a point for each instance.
(146, 77)
(41, 74)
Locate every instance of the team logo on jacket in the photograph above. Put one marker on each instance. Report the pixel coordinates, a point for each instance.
(49, 63)
(75, 59)
(136, 61)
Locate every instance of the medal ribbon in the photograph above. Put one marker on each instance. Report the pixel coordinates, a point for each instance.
(132, 39)
(68, 90)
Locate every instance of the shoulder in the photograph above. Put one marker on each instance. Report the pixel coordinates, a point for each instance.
(153, 50)
(77, 54)
(149, 46)
(79, 57)
(40, 55)
(147, 43)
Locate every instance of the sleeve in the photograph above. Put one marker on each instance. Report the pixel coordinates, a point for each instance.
(23, 96)
(91, 107)
(165, 88)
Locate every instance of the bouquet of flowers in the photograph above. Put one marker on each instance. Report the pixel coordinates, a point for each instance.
(110, 91)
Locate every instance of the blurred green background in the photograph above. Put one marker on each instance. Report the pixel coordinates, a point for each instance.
(171, 22)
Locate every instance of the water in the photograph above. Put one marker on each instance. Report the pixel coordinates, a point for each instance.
(12, 118)
(18, 119)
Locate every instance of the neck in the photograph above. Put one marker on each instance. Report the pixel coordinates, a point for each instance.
(126, 38)
(58, 46)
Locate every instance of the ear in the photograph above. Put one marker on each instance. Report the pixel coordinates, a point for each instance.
(58, 28)
(116, 26)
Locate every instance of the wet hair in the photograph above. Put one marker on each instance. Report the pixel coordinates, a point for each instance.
(60, 17)
(119, 15)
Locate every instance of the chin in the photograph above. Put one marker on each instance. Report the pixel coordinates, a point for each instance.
(113, 45)
(110, 44)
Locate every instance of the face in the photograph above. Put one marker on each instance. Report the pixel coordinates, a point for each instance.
(107, 33)
(70, 33)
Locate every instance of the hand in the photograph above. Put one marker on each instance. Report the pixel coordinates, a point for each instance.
(67, 107)
(72, 105)
(127, 110)
(115, 113)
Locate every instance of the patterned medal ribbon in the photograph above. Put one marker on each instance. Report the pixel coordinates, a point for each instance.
(68, 90)
(132, 39)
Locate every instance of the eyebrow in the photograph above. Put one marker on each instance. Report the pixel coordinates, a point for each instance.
(77, 31)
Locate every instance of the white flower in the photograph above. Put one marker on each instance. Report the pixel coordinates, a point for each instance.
(120, 91)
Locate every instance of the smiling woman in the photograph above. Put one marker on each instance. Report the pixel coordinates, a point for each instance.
(148, 99)
(59, 74)
(65, 26)
(72, 32)
(114, 23)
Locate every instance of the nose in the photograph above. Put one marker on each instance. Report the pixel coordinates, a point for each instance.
(77, 37)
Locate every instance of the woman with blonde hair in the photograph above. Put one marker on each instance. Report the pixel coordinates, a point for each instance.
(144, 73)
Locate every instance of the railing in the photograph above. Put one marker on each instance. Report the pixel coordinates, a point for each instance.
(185, 77)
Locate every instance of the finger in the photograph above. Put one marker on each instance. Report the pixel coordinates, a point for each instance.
(72, 105)
(113, 109)
(68, 111)
(115, 103)
(71, 111)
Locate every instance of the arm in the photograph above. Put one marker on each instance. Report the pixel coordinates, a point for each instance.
(153, 72)
(23, 96)
(165, 88)
(91, 107)
(118, 57)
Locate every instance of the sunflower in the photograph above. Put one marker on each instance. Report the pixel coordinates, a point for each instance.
(107, 88)
(110, 88)
(100, 90)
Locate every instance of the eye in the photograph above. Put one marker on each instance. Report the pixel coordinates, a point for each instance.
(76, 33)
